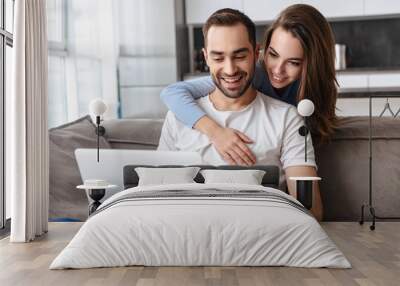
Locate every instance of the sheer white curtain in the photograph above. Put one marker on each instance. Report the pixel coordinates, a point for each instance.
(27, 152)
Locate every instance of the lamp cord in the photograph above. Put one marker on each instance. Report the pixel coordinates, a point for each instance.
(305, 140)
(98, 136)
(305, 150)
(98, 141)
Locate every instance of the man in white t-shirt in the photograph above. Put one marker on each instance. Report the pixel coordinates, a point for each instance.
(231, 52)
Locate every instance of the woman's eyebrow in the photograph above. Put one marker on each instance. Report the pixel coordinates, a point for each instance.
(273, 50)
(295, 59)
(290, 59)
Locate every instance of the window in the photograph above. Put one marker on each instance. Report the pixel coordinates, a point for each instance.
(81, 58)
(124, 52)
(6, 43)
(57, 36)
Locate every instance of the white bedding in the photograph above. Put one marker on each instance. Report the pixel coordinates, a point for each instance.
(181, 231)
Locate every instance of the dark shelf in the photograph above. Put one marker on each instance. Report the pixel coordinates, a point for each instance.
(367, 92)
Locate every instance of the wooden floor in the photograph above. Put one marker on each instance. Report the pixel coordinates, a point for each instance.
(375, 257)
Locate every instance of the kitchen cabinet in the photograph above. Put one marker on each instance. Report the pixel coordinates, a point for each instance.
(384, 79)
(378, 79)
(198, 11)
(381, 7)
(350, 80)
(338, 8)
(265, 10)
(260, 11)
(268, 10)
(367, 82)
(360, 106)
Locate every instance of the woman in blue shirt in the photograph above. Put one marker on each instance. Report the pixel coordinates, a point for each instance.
(297, 63)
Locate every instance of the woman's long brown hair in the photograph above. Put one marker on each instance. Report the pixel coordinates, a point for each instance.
(317, 81)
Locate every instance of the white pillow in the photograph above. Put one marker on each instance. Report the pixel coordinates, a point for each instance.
(165, 176)
(248, 177)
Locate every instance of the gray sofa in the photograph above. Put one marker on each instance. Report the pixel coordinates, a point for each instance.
(342, 164)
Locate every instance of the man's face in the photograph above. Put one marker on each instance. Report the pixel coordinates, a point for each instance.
(231, 59)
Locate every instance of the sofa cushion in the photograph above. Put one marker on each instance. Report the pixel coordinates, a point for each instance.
(133, 133)
(64, 199)
(343, 165)
(357, 127)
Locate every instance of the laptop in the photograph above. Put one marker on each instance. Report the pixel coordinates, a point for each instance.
(112, 161)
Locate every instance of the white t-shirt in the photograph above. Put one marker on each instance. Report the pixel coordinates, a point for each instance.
(272, 125)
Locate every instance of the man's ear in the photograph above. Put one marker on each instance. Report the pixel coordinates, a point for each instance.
(205, 55)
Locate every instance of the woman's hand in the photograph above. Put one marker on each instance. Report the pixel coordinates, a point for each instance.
(231, 144)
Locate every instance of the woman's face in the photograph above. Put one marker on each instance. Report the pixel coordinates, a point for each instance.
(283, 58)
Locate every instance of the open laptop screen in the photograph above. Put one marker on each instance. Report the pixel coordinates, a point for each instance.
(112, 162)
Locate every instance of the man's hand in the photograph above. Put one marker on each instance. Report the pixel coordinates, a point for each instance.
(231, 144)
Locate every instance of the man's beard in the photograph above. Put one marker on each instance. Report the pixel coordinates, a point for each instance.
(235, 94)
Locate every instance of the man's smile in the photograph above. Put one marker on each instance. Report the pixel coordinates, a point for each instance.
(232, 82)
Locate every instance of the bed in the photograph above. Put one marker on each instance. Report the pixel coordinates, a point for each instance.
(201, 224)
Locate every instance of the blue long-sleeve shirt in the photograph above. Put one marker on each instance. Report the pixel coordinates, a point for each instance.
(181, 97)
